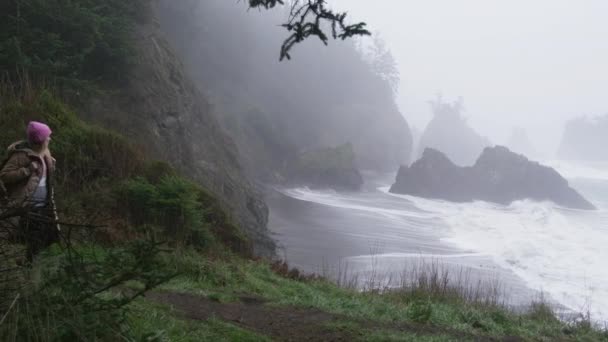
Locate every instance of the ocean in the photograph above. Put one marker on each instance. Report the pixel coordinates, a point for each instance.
(529, 247)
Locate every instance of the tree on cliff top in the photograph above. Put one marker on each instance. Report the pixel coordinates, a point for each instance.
(381, 60)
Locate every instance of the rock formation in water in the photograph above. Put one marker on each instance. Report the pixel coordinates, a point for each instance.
(585, 139)
(333, 168)
(499, 176)
(449, 133)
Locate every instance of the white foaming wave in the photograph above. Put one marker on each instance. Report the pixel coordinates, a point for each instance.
(557, 250)
(561, 252)
(348, 201)
(432, 256)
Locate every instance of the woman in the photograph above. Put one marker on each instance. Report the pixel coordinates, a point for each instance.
(27, 176)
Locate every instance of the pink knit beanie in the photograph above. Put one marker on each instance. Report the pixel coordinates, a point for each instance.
(37, 132)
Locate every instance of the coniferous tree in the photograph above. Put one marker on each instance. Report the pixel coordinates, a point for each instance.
(382, 61)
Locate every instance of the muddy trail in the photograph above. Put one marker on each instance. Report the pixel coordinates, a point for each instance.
(285, 323)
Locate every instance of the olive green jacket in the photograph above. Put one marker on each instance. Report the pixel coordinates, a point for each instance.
(22, 173)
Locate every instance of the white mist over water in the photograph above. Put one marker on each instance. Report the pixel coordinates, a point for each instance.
(559, 251)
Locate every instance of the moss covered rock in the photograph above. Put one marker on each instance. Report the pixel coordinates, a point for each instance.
(332, 167)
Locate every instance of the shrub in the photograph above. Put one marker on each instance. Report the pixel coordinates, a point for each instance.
(541, 311)
(155, 170)
(80, 294)
(179, 210)
(172, 204)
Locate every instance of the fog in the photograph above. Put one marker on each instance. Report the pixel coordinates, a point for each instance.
(531, 64)
(323, 97)
(305, 128)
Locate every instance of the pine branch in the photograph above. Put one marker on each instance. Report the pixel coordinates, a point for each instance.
(308, 18)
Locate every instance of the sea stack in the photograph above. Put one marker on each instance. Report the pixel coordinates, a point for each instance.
(498, 175)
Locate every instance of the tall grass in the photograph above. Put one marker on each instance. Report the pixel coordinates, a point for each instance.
(440, 281)
(422, 279)
(425, 282)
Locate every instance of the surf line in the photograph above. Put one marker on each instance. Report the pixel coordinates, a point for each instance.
(418, 256)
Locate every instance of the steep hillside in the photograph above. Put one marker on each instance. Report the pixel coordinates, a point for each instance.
(161, 109)
(325, 96)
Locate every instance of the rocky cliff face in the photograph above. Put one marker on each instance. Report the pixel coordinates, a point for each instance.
(160, 109)
(585, 139)
(499, 176)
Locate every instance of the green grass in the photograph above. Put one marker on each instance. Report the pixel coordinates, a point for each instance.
(362, 334)
(155, 322)
(405, 337)
(227, 279)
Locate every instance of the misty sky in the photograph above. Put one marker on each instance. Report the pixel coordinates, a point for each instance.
(533, 63)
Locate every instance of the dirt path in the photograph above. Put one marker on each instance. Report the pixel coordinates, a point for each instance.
(284, 323)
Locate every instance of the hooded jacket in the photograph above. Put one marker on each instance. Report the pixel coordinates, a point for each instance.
(22, 173)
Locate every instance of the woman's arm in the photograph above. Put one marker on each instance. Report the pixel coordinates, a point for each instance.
(17, 169)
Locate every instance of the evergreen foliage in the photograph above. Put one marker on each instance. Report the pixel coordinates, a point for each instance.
(383, 63)
(78, 40)
(80, 294)
(171, 204)
(178, 211)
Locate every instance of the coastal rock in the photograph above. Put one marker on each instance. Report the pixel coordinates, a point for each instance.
(333, 168)
(499, 176)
